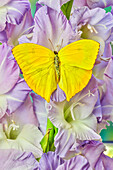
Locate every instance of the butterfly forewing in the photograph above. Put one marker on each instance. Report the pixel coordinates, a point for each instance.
(37, 65)
(82, 54)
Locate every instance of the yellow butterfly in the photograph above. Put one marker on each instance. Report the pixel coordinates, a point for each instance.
(70, 68)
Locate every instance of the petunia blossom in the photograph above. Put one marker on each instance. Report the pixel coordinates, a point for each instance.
(15, 159)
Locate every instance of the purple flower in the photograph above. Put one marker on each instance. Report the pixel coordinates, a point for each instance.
(78, 162)
(99, 3)
(50, 161)
(91, 157)
(12, 11)
(12, 32)
(98, 160)
(39, 107)
(74, 119)
(13, 91)
(52, 29)
(107, 98)
(20, 130)
(9, 75)
(93, 24)
(15, 159)
(17, 95)
(54, 4)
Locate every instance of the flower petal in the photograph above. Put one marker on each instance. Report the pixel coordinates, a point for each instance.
(40, 110)
(78, 162)
(14, 32)
(9, 70)
(28, 140)
(52, 29)
(14, 159)
(99, 3)
(16, 10)
(50, 161)
(16, 96)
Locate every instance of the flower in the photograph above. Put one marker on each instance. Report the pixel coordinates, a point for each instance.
(51, 30)
(12, 32)
(74, 119)
(50, 161)
(98, 160)
(107, 99)
(39, 107)
(12, 11)
(99, 3)
(20, 130)
(9, 75)
(54, 4)
(15, 159)
(77, 162)
(93, 24)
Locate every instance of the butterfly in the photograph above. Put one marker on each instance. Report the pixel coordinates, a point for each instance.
(70, 68)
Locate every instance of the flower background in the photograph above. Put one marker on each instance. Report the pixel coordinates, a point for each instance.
(72, 127)
(106, 134)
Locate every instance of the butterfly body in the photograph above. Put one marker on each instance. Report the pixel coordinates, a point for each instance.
(57, 64)
(70, 68)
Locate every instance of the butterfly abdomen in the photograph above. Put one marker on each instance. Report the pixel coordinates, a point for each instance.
(56, 61)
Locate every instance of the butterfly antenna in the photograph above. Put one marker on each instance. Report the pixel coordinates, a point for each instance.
(61, 43)
(51, 44)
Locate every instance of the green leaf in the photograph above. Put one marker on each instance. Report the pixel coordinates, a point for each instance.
(0, 43)
(47, 143)
(108, 9)
(21, 75)
(66, 8)
(33, 6)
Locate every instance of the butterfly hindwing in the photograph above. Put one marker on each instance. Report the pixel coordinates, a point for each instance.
(73, 80)
(37, 65)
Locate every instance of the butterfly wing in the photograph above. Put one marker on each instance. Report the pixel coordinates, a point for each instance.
(77, 60)
(37, 65)
(73, 79)
(82, 54)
